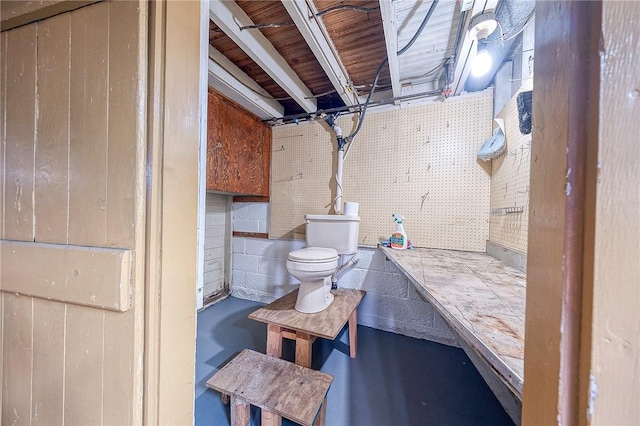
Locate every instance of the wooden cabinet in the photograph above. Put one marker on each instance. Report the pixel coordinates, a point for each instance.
(238, 149)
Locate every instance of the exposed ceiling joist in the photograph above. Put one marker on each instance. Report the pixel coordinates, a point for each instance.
(229, 17)
(467, 50)
(316, 37)
(227, 78)
(388, 11)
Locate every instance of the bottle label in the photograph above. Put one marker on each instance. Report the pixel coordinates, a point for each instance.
(397, 240)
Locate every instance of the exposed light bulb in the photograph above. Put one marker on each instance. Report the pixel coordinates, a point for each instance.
(481, 63)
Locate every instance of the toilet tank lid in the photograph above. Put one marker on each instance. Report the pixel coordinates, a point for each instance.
(313, 254)
(332, 217)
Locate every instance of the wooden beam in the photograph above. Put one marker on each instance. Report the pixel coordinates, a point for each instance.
(90, 276)
(387, 9)
(317, 37)
(228, 79)
(229, 17)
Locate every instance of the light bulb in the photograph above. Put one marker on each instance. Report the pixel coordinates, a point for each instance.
(481, 63)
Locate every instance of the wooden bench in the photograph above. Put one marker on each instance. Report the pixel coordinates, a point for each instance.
(280, 388)
(284, 322)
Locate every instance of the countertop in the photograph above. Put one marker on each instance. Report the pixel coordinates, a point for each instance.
(481, 298)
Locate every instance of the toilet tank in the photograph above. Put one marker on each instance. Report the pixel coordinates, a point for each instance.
(339, 232)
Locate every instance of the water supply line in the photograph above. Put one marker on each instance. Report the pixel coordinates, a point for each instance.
(383, 63)
(353, 261)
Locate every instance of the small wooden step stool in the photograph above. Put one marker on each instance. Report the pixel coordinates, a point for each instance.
(278, 387)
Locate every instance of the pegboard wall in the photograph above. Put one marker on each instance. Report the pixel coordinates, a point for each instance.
(419, 161)
(510, 183)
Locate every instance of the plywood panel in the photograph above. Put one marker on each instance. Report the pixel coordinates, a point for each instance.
(419, 161)
(52, 147)
(238, 148)
(510, 182)
(17, 373)
(20, 133)
(88, 109)
(84, 372)
(92, 276)
(48, 362)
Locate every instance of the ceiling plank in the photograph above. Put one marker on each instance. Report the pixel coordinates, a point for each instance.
(387, 9)
(229, 17)
(228, 79)
(322, 47)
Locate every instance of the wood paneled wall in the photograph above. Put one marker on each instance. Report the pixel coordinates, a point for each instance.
(238, 149)
(71, 164)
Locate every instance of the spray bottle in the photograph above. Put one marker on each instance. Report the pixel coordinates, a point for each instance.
(398, 239)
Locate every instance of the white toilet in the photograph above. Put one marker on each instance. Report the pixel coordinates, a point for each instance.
(328, 236)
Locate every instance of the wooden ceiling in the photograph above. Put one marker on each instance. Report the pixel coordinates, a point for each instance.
(295, 57)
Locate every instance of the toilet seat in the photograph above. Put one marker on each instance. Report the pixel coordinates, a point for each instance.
(313, 255)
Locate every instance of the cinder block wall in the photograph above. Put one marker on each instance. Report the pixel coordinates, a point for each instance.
(214, 243)
(391, 303)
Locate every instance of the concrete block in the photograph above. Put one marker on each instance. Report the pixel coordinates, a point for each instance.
(237, 245)
(238, 278)
(406, 329)
(244, 293)
(245, 262)
(268, 284)
(273, 266)
(213, 287)
(240, 210)
(257, 246)
(214, 231)
(442, 328)
(258, 211)
(213, 276)
(214, 242)
(213, 265)
(383, 283)
(246, 225)
(370, 259)
(214, 253)
(264, 226)
(396, 309)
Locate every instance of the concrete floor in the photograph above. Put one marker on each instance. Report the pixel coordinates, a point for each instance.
(395, 380)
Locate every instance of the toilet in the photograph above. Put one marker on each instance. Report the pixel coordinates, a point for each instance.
(328, 237)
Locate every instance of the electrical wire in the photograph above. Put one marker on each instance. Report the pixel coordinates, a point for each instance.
(347, 6)
(319, 14)
(378, 71)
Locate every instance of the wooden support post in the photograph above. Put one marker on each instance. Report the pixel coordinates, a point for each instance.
(321, 418)
(240, 414)
(270, 419)
(274, 341)
(224, 398)
(303, 349)
(353, 334)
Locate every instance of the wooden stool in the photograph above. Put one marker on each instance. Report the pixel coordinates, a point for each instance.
(284, 322)
(280, 388)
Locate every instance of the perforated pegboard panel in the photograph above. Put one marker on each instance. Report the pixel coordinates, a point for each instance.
(419, 161)
(510, 183)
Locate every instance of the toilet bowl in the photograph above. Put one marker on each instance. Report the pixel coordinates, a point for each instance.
(313, 267)
(328, 237)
